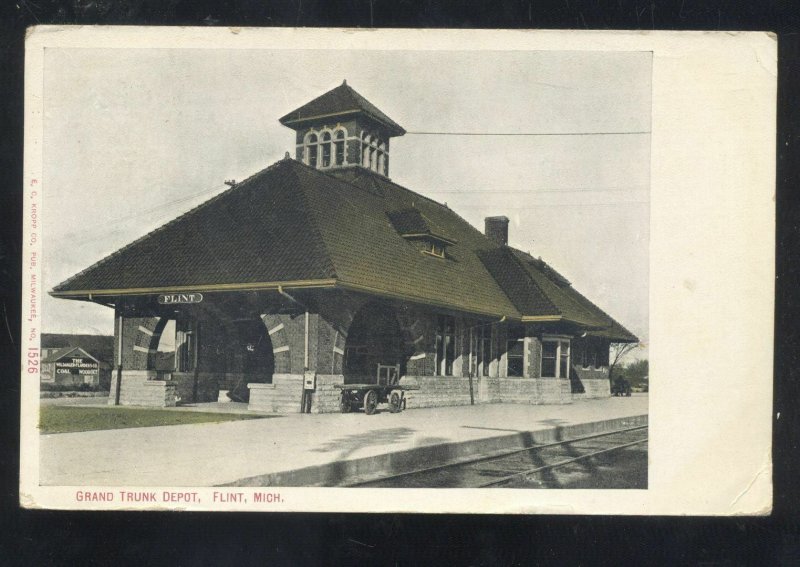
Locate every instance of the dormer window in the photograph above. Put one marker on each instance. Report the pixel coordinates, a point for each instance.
(420, 231)
(433, 248)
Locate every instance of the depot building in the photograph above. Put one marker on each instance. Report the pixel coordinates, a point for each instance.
(320, 270)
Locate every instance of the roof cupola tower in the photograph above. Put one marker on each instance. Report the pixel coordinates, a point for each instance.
(342, 129)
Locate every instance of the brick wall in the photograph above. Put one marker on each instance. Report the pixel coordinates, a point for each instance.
(282, 396)
(139, 388)
(283, 333)
(140, 337)
(534, 357)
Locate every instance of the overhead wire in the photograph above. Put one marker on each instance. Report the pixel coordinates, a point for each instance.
(623, 133)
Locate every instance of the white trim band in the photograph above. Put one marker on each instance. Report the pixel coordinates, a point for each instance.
(280, 349)
(275, 329)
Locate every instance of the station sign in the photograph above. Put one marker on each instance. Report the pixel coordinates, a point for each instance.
(174, 298)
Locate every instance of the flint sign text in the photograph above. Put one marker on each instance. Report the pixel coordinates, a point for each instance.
(171, 298)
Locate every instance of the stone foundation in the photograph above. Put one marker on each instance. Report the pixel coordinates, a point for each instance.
(284, 395)
(325, 399)
(488, 390)
(594, 381)
(140, 388)
(438, 391)
(595, 388)
(535, 391)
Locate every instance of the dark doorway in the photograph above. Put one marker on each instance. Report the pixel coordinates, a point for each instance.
(374, 338)
(251, 351)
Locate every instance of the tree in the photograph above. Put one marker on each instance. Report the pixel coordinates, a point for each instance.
(616, 353)
(637, 370)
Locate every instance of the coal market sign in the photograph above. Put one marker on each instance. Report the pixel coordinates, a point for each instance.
(77, 365)
(175, 298)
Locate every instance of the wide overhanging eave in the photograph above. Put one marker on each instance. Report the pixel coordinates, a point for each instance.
(255, 286)
(301, 121)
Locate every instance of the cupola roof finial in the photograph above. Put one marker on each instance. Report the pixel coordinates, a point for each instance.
(339, 102)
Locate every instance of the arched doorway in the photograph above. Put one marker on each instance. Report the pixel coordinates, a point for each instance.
(163, 359)
(374, 338)
(251, 356)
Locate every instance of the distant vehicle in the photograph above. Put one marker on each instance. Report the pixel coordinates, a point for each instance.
(621, 387)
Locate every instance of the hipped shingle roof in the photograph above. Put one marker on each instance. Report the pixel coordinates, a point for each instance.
(339, 101)
(292, 223)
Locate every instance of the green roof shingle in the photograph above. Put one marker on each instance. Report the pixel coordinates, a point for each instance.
(292, 223)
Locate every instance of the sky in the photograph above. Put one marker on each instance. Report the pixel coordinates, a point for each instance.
(135, 137)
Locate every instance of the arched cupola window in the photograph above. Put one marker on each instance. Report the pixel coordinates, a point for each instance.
(339, 143)
(311, 149)
(374, 153)
(365, 140)
(326, 149)
(341, 129)
(381, 161)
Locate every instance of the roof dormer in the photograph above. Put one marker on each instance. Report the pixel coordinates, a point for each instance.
(342, 129)
(415, 227)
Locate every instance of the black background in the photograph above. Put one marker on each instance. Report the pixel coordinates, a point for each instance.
(143, 538)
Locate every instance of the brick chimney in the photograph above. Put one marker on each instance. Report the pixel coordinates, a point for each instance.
(497, 229)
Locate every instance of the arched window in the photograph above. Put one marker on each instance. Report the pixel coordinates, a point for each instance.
(365, 140)
(326, 149)
(165, 359)
(374, 153)
(339, 137)
(381, 164)
(311, 150)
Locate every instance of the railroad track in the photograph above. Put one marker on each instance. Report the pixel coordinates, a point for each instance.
(533, 466)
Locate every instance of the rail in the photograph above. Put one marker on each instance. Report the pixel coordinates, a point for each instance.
(496, 456)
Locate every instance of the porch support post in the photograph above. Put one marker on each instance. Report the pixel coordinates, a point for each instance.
(119, 361)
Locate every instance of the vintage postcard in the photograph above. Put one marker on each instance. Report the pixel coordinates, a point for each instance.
(398, 270)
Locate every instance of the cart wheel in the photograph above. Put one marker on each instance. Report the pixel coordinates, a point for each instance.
(344, 404)
(394, 403)
(370, 402)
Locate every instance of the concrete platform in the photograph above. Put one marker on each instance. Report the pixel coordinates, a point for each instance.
(322, 449)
